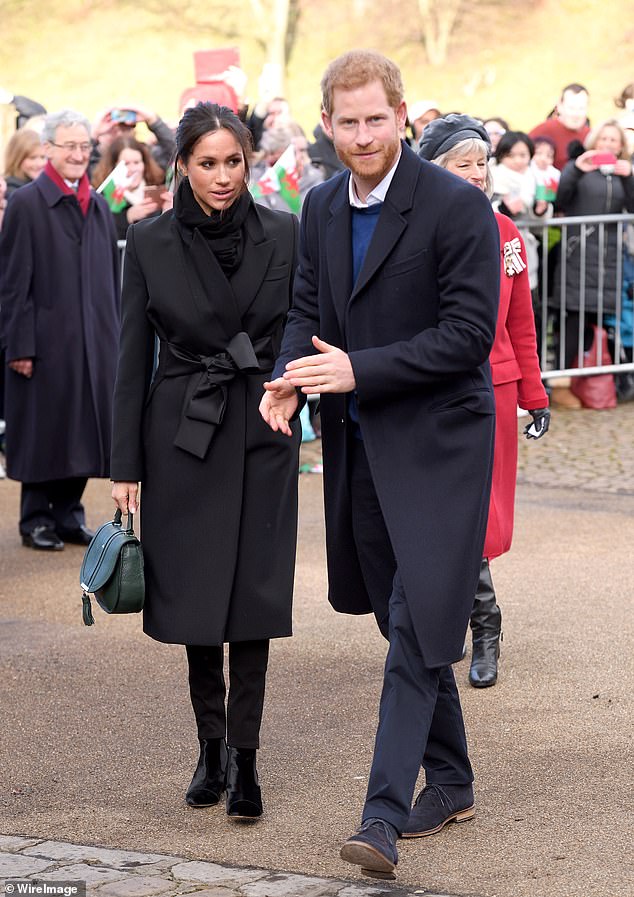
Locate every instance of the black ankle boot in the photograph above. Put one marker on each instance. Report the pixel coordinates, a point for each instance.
(486, 628)
(244, 799)
(209, 779)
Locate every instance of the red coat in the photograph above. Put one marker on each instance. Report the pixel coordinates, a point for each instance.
(516, 381)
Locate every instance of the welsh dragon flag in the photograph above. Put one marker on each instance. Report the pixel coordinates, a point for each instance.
(114, 186)
(281, 178)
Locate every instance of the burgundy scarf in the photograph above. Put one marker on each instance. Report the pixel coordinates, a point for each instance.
(83, 190)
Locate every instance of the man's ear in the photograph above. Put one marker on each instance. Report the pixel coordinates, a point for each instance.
(327, 123)
(401, 114)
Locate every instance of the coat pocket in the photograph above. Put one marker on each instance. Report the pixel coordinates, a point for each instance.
(403, 266)
(277, 272)
(479, 401)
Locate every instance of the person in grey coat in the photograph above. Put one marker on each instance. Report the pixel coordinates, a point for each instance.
(59, 298)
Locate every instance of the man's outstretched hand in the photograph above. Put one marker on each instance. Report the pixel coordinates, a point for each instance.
(329, 371)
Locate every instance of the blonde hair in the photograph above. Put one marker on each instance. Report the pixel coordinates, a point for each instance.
(591, 140)
(358, 68)
(464, 148)
(21, 145)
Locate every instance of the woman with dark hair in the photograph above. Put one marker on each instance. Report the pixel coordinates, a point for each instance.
(142, 172)
(461, 144)
(211, 280)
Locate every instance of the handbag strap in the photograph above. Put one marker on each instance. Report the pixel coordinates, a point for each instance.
(117, 520)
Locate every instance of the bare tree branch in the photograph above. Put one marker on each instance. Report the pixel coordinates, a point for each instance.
(438, 20)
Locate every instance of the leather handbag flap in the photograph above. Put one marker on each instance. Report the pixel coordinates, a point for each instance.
(103, 552)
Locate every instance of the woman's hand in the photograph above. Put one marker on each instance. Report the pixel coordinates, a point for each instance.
(126, 496)
(278, 405)
(22, 366)
(584, 161)
(623, 168)
(141, 210)
(167, 201)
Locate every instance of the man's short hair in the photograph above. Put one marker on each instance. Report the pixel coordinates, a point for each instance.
(573, 88)
(358, 68)
(65, 118)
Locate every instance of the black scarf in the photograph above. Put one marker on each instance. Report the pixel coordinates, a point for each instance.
(222, 230)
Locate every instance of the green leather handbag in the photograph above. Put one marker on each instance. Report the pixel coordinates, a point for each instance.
(112, 570)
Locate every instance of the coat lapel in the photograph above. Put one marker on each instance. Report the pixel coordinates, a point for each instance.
(258, 252)
(392, 222)
(70, 215)
(339, 251)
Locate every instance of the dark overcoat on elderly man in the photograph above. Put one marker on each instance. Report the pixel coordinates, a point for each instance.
(59, 297)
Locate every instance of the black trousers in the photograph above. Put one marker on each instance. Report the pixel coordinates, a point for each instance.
(420, 717)
(55, 503)
(241, 720)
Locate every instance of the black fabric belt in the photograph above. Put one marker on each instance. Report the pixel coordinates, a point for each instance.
(206, 395)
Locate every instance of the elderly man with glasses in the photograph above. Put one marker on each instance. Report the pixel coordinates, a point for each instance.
(59, 314)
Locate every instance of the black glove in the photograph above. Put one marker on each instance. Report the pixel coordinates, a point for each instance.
(541, 422)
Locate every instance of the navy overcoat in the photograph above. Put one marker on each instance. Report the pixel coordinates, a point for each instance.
(59, 299)
(418, 325)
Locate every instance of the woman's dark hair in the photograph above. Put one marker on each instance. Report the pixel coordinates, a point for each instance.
(207, 118)
(153, 174)
(626, 94)
(508, 141)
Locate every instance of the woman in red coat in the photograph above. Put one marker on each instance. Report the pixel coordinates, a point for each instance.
(460, 144)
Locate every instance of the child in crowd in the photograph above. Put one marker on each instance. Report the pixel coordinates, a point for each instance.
(514, 190)
(546, 175)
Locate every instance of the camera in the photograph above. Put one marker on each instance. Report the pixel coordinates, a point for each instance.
(605, 162)
(123, 116)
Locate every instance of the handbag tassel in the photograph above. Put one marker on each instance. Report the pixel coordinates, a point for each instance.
(88, 618)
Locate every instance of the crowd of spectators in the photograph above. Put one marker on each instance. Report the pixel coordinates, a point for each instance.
(545, 171)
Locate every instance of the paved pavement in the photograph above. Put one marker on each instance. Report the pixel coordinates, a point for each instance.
(98, 745)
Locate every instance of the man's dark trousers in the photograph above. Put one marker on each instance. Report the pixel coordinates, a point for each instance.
(55, 503)
(420, 718)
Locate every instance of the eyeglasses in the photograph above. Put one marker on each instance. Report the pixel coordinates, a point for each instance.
(71, 147)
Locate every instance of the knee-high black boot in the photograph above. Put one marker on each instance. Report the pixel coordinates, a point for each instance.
(486, 629)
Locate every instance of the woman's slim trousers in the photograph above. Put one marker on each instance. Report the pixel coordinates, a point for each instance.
(241, 720)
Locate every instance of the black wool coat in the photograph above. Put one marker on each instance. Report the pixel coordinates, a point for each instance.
(218, 487)
(591, 193)
(418, 326)
(59, 302)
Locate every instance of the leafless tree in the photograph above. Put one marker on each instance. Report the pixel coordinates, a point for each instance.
(439, 18)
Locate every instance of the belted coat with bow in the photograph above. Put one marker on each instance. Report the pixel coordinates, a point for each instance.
(218, 487)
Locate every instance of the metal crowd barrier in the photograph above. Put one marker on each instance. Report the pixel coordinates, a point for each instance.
(552, 309)
(551, 336)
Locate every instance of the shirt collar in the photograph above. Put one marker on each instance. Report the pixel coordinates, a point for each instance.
(377, 194)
